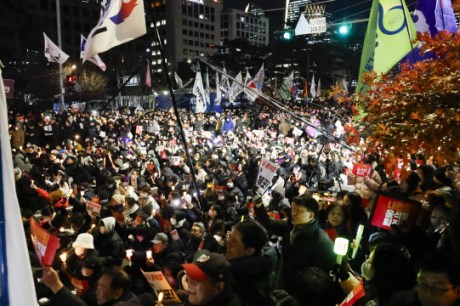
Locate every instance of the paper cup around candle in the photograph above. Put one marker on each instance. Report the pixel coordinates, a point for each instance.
(149, 254)
(129, 253)
(63, 257)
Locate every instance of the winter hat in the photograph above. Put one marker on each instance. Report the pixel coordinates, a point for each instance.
(308, 202)
(118, 199)
(160, 238)
(207, 264)
(93, 263)
(84, 240)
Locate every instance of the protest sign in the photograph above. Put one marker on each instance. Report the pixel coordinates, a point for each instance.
(45, 244)
(390, 210)
(267, 171)
(361, 169)
(139, 129)
(355, 295)
(206, 134)
(159, 284)
(93, 209)
(80, 285)
(174, 160)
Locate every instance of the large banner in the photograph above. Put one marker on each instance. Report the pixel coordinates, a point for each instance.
(390, 210)
(45, 244)
(159, 284)
(267, 171)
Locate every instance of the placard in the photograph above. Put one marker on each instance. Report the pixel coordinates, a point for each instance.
(174, 160)
(45, 244)
(355, 295)
(361, 169)
(93, 209)
(139, 129)
(267, 171)
(159, 284)
(390, 210)
(80, 285)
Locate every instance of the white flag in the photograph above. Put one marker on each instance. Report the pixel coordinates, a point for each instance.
(53, 53)
(224, 83)
(345, 86)
(16, 268)
(236, 87)
(178, 80)
(249, 82)
(200, 95)
(318, 92)
(218, 98)
(120, 22)
(96, 59)
(313, 87)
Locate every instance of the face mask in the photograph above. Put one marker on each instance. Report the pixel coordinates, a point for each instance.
(221, 198)
(173, 221)
(367, 271)
(230, 185)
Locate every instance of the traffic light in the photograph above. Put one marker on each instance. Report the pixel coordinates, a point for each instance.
(71, 78)
(287, 34)
(344, 29)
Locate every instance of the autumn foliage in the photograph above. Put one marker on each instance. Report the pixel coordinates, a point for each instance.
(417, 109)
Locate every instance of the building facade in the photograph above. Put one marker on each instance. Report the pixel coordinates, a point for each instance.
(250, 24)
(188, 29)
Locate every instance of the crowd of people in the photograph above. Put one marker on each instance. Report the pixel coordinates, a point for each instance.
(193, 212)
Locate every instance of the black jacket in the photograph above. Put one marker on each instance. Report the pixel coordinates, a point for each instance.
(310, 247)
(251, 278)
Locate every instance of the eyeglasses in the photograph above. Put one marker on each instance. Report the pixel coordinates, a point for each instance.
(433, 289)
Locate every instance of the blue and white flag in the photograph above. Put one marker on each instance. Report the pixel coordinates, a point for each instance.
(120, 22)
(431, 16)
(236, 87)
(96, 59)
(260, 78)
(17, 286)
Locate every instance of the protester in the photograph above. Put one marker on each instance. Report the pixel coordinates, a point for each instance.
(209, 281)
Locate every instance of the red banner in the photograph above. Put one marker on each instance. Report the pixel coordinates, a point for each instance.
(361, 169)
(9, 88)
(390, 211)
(45, 244)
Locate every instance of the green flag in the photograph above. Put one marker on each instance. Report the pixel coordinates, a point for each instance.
(285, 90)
(388, 38)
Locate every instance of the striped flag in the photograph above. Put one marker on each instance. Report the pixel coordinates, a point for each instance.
(17, 287)
(96, 59)
(120, 22)
(53, 53)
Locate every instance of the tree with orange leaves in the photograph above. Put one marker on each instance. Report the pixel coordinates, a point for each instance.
(417, 109)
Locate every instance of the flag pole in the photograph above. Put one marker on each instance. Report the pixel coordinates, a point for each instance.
(61, 82)
(407, 29)
(156, 34)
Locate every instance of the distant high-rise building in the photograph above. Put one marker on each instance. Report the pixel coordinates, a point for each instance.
(293, 10)
(188, 29)
(250, 24)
